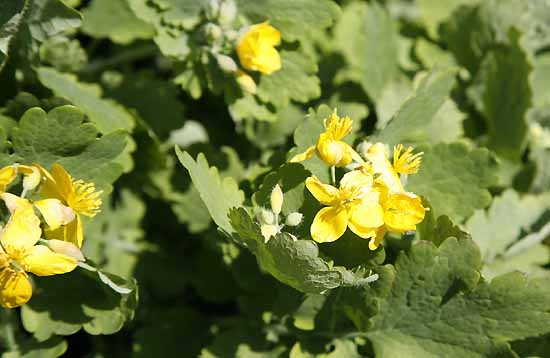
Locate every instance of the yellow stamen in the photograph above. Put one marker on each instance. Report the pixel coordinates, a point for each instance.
(406, 162)
(85, 200)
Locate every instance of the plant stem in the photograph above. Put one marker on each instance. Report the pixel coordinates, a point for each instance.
(333, 174)
(129, 55)
(7, 321)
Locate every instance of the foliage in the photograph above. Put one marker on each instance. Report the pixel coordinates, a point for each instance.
(205, 247)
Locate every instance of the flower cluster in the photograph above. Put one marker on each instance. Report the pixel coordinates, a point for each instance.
(54, 210)
(370, 199)
(270, 223)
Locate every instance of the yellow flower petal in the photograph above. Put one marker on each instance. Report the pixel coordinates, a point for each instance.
(7, 174)
(267, 60)
(15, 289)
(268, 33)
(74, 232)
(70, 233)
(14, 202)
(356, 179)
(55, 214)
(58, 183)
(41, 261)
(22, 230)
(402, 212)
(329, 224)
(365, 218)
(310, 152)
(324, 193)
(377, 240)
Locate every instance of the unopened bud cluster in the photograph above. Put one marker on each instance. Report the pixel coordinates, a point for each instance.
(270, 225)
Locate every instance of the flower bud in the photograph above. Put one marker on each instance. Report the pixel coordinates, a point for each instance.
(226, 63)
(276, 200)
(228, 12)
(212, 32)
(212, 9)
(66, 248)
(294, 219)
(266, 217)
(246, 82)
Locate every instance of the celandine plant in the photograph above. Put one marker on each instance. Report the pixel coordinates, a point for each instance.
(359, 178)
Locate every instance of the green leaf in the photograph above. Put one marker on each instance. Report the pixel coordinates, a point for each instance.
(115, 237)
(295, 263)
(43, 20)
(188, 206)
(31, 348)
(367, 37)
(432, 304)
(294, 18)
(218, 195)
(115, 20)
(163, 331)
(419, 112)
(105, 113)
(11, 14)
(440, 229)
(337, 348)
(295, 81)
(454, 178)
(433, 12)
(248, 107)
(64, 304)
(539, 79)
(502, 224)
(155, 99)
(184, 13)
(472, 31)
(61, 136)
(505, 96)
(431, 55)
(270, 134)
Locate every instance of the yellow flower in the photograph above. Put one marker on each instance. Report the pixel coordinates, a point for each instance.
(78, 195)
(256, 49)
(330, 147)
(402, 210)
(19, 254)
(352, 205)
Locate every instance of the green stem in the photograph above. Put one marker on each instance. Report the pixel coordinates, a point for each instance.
(7, 321)
(126, 56)
(333, 174)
